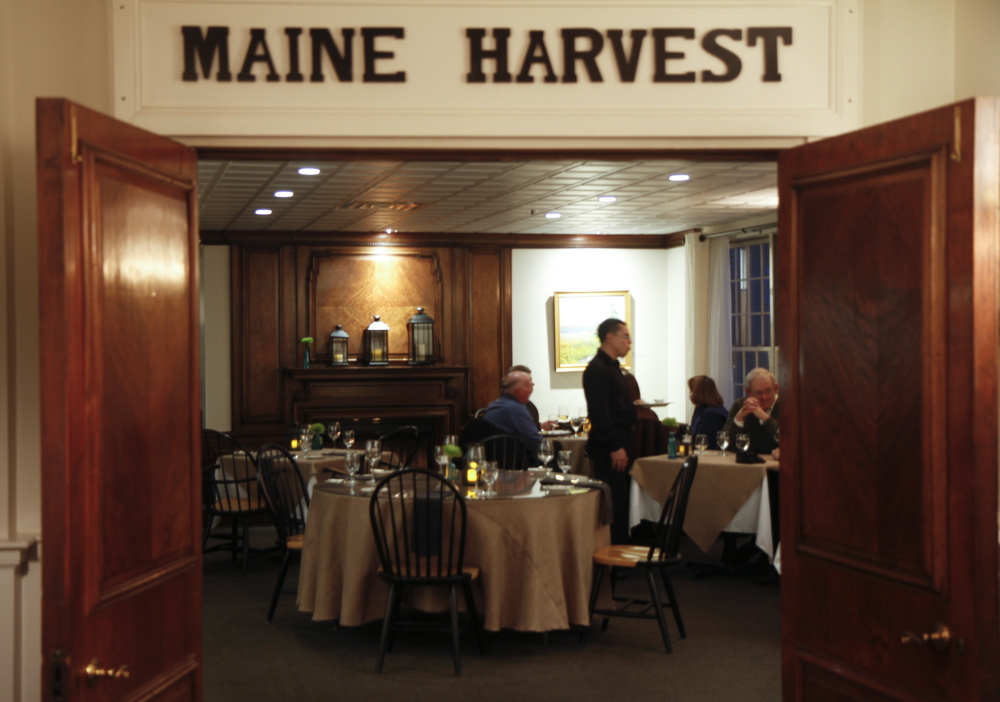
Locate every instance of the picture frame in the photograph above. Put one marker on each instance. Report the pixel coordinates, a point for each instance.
(576, 316)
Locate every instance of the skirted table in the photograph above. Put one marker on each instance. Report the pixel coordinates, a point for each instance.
(534, 550)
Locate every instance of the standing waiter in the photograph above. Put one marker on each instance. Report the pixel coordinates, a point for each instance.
(612, 418)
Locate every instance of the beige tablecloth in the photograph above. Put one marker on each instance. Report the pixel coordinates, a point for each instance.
(535, 557)
(576, 444)
(721, 487)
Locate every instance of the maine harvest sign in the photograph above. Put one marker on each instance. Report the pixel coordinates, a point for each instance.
(440, 68)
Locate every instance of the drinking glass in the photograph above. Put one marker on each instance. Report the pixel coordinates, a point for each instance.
(554, 419)
(451, 439)
(373, 453)
(686, 443)
(563, 413)
(582, 414)
(488, 476)
(348, 438)
(701, 443)
(333, 431)
(565, 461)
(723, 438)
(305, 439)
(545, 452)
(352, 462)
(575, 423)
(475, 456)
(743, 442)
(442, 460)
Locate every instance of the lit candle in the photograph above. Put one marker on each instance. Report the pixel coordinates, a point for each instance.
(338, 357)
(295, 444)
(472, 474)
(421, 352)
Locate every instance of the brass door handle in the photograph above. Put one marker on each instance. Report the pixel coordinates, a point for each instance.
(95, 672)
(939, 638)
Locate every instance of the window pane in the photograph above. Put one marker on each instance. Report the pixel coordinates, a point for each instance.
(756, 302)
(754, 261)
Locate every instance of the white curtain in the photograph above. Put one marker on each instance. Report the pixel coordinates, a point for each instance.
(709, 343)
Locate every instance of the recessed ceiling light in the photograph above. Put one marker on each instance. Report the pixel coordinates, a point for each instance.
(308, 170)
(552, 215)
(262, 211)
(607, 198)
(678, 177)
(283, 193)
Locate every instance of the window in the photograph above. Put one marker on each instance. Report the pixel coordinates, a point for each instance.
(751, 289)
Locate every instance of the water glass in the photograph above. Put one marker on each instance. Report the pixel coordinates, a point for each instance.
(701, 443)
(442, 460)
(545, 452)
(373, 453)
(348, 438)
(723, 438)
(743, 442)
(333, 431)
(488, 477)
(563, 413)
(352, 462)
(565, 460)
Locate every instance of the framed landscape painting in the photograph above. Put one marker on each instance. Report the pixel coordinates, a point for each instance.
(576, 316)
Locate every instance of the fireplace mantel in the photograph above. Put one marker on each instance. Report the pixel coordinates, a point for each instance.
(432, 397)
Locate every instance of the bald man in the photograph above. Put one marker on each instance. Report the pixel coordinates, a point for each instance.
(509, 413)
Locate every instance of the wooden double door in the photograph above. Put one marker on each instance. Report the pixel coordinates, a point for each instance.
(889, 296)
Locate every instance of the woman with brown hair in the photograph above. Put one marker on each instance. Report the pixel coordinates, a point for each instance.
(710, 413)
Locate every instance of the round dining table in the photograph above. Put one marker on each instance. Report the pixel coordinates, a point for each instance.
(534, 550)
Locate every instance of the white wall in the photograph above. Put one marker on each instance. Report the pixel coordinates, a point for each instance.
(216, 339)
(655, 279)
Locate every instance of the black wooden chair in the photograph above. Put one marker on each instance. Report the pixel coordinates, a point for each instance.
(419, 520)
(399, 448)
(658, 556)
(229, 491)
(475, 430)
(288, 499)
(510, 452)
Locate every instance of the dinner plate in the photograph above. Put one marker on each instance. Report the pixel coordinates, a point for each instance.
(653, 404)
(556, 432)
(556, 489)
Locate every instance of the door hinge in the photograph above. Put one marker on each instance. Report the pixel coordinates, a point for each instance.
(60, 676)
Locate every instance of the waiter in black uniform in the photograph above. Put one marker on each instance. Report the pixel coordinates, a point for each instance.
(612, 418)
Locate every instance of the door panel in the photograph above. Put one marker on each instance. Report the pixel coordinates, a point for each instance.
(889, 475)
(121, 511)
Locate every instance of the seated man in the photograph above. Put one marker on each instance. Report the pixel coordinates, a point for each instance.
(756, 414)
(509, 413)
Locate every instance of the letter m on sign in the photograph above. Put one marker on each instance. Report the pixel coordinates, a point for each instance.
(205, 47)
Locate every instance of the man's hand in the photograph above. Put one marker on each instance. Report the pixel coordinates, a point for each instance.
(751, 406)
(619, 460)
(549, 426)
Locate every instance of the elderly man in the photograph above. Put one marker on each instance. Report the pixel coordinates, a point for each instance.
(509, 413)
(756, 414)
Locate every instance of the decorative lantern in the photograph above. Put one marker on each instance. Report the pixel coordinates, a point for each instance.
(336, 346)
(420, 330)
(375, 343)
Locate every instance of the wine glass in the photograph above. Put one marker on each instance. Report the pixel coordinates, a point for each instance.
(451, 440)
(545, 452)
(333, 431)
(563, 413)
(575, 423)
(305, 439)
(723, 438)
(373, 453)
(743, 442)
(352, 462)
(565, 460)
(701, 443)
(582, 414)
(348, 438)
(488, 476)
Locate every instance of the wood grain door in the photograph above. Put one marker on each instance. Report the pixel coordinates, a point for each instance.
(888, 300)
(118, 274)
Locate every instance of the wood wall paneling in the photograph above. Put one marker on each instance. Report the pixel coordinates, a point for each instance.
(487, 335)
(257, 341)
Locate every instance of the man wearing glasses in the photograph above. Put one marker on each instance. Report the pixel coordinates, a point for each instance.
(756, 414)
(612, 418)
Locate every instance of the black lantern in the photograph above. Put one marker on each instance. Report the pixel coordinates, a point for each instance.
(336, 347)
(375, 343)
(420, 330)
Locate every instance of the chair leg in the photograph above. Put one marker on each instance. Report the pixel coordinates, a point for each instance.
(456, 652)
(470, 608)
(390, 608)
(654, 597)
(669, 587)
(278, 585)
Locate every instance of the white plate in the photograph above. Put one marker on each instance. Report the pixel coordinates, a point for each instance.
(556, 489)
(556, 432)
(653, 404)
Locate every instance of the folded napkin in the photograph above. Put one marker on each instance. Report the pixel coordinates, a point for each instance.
(748, 457)
(560, 479)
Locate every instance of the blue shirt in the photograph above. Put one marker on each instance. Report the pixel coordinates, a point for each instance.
(508, 415)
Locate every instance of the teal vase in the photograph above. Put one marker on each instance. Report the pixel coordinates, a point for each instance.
(317, 440)
(305, 358)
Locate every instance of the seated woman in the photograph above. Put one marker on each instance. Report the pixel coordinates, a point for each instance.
(710, 413)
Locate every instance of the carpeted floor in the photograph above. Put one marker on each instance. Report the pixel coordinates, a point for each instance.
(732, 651)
